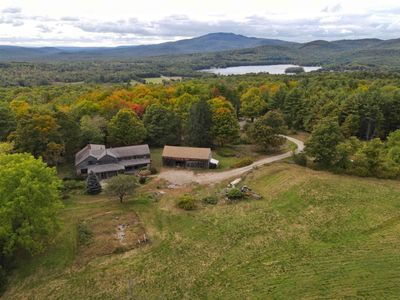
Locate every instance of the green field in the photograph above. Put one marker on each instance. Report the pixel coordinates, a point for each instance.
(159, 80)
(313, 235)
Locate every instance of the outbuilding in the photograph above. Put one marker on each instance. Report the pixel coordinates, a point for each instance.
(186, 157)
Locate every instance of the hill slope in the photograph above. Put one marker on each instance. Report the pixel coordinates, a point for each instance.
(314, 235)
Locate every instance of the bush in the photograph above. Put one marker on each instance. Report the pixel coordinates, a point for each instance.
(144, 173)
(242, 163)
(234, 194)
(70, 185)
(210, 200)
(300, 159)
(85, 234)
(142, 179)
(186, 202)
(226, 152)
(153, 170)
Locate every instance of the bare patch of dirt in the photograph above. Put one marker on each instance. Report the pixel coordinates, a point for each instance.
(111, 232)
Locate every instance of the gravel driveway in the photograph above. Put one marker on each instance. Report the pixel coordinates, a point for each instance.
(181, 177)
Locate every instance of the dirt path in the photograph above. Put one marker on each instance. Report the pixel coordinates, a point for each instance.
(181, 177)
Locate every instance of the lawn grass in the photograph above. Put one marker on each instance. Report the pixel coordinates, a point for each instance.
(313, 235)
(159, 80)
(156, 157)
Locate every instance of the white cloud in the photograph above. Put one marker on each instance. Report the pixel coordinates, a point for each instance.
(11, 10)
(121, 22)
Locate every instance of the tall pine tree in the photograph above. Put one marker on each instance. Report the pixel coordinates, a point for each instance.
(200, 123)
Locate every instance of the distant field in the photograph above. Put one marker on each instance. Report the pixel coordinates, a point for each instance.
(314, 235)
(159, 80)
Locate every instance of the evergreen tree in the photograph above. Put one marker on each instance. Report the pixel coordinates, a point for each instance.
(200, 123)
(163, 126)
(7, 121)
(293, 109)
(93, 186)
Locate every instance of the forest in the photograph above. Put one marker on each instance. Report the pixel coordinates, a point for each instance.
(362, 108)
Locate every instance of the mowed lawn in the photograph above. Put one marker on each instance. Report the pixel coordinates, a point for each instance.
(314, 235)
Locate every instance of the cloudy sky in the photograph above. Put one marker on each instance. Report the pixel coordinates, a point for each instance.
(131, 22)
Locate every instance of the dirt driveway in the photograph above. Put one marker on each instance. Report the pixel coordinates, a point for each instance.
(181, 177)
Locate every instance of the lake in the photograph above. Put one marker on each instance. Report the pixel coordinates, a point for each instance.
(271, 69)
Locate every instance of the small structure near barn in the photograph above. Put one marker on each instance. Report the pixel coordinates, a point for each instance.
(109, 162)
(186, 157)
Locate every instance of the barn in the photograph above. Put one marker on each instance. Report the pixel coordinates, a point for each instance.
(186, 157)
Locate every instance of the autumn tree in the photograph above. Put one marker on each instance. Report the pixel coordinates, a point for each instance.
(125, 128)
(252, 104)
(163, 126)
(225, 126)
(38, 134)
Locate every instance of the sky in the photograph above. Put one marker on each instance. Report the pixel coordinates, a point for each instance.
(132, 22)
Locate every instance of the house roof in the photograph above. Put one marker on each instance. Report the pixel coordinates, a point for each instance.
(126, 151)
(99, 151)
(187, 152)
(134, 162)
(105, 168)
(89, 150)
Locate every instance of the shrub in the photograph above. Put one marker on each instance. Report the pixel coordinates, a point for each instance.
(119, 250)
(242, 163)
(85, 234)
(234, 194)
(210, 200)
(226, 152)
(70, 185)
(186, 202)
(153, 170)
(300, 159)
(142, 179)
(144, 172)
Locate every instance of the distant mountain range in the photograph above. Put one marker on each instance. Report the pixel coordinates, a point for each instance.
(228, 49)
(213, 42)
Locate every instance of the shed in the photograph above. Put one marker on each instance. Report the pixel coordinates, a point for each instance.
(186, 157)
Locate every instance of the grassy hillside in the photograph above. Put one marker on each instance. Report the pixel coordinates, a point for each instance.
(314, 235)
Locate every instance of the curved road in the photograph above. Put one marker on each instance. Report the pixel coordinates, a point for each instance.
(180, 177)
